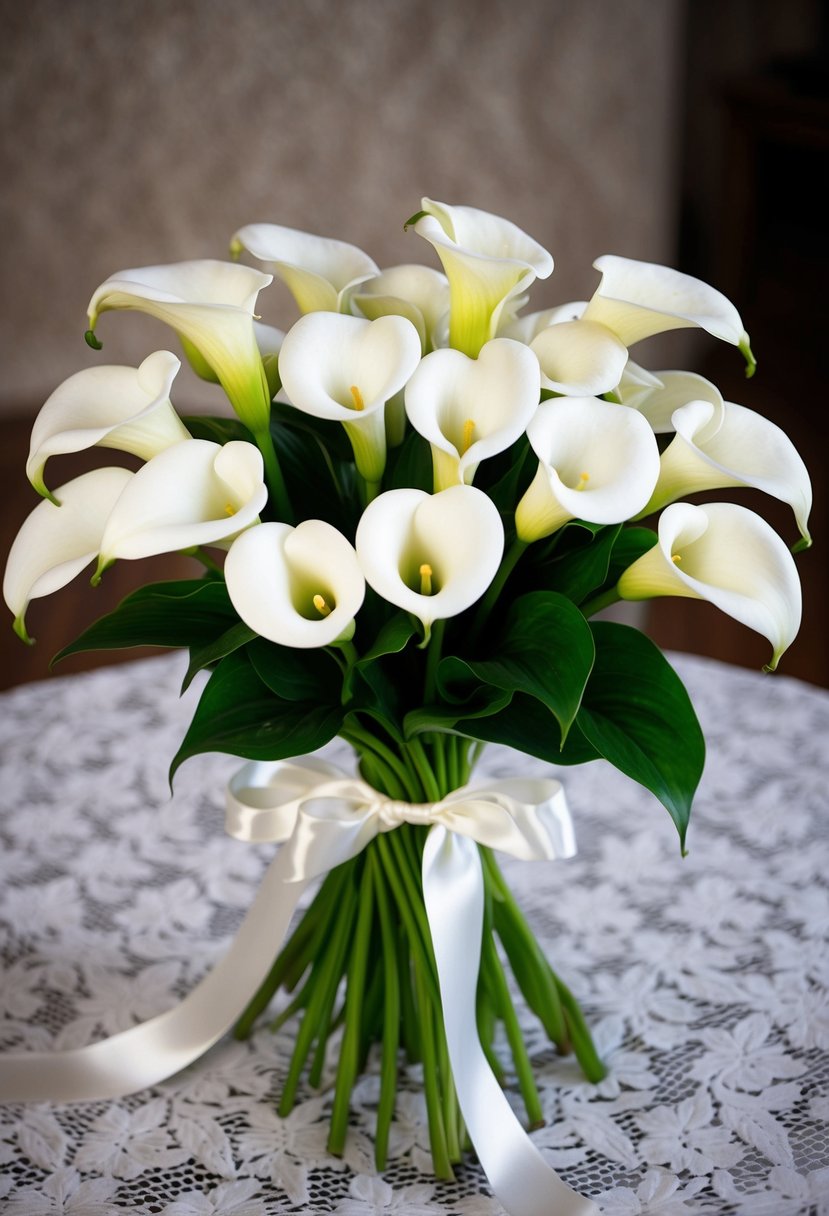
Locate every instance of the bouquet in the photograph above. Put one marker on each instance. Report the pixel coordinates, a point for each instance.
(422, 498)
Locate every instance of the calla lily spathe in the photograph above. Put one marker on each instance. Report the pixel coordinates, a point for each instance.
(298, 586)
(529, 326)
(126, 408)
(727, 555)
(418, 293)
(658, 397)
(56, 542)
(470, 409)
(194, 493)
(211, 305)
(579, 358)
(346, 369)
(732, 446)
(638, 299)
(597, 461)
(432, 555)
(488, 261)
(319, 272)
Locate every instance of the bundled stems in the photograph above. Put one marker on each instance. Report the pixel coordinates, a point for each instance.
(364, 944)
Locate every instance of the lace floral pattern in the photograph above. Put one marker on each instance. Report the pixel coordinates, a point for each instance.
(706, 979)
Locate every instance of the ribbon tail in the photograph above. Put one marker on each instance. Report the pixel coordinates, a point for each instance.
(147, 1054)
(453, 890)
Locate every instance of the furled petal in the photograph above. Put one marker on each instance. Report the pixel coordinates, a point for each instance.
(416, 292)
(457, 535)
(346, 369)
(127, 408)
(56, 542)
(318, 271)
(194, 493)
(579, 358)
(524, 329)
(597, 461)
(488, 261)
(636, 385)
(275, 575)
(638, 299)
(659, 399)
(732, 447)
(470, 409)
(210, 304)
(727, 555)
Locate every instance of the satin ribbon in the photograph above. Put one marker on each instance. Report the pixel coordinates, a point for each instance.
(322, 818)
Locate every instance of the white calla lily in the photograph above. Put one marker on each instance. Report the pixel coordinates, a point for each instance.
(636, 385)
(597, 461)
(298, 586)
(418, 293)
(732, 446)
(194, 493)
(470, 409)
(639, 299)
(727, 555)
(433, 555)
(211, 305)
(488, 261)
(56, 542)
(579, 358)
(346, 369)
(319, 272)
(659, 397)
(126, 408)
(524, 329)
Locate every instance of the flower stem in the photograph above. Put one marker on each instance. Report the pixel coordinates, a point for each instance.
(391, 1015)
(437, 1130)
(273, 476)
(508, 564)
(498, 986)
(598, 602)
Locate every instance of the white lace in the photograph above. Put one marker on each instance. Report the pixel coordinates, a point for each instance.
(706, 980)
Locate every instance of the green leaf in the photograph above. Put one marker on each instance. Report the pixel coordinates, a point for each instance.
(508, 486)
(296, 675)
(410, 465)
(630, 544)
(238, 714)
(236, 636)
(189, 612)
(546, 651)
(576, 572)
(392, 638)
(454, 719)
(217, 429)
(637, 715)
(526, 725)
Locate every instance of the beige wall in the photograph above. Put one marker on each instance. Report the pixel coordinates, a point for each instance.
(144, 131)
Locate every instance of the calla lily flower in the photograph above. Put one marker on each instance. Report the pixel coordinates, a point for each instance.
(211, 305)
(470, 409)
(488, 261)
(126, 408)
(732, 446)
(636, 386)
(597, 461)
(346, 369)
(638, 299)
(432, 555)
(579, 358)
(298, 586)
(524, 329)
(194, 493)
(658, 397)
(416, 292)
(319, 272)
(56, 542)
(727, 555)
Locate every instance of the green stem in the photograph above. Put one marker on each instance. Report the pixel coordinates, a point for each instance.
(391, 1015)
(424, 769)
(586, 1054)
(437, 1129)
(350, 1047)
(273, 475)
(433, 653)
(508, 564)
(598, 602)
(206, 560)
(361, 738)
(523, 1068)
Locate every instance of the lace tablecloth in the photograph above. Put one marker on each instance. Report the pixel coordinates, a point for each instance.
(706, 979)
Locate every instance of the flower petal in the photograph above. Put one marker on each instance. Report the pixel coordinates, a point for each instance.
(457, 533)
(659, 399)
(524, 329)
(416, 292)
(317, 270)
(579, 358)
(56, 542)
(727, 555)
(273, 572)
(126, 408)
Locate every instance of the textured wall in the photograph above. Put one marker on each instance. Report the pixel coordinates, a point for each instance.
(146, 131)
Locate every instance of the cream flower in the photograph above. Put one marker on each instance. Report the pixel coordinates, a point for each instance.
(470, 409)
(126, 408)
(524, 329)
(416, 292)
(488, 261)
(56, 542)
(659, 397)
(727, 555)
(597, 461)
(319, 272)
(298, 586)
(346, 369)
(432, 555)
(579, 358)
(194, 493)
(211, 305)
(638, 299)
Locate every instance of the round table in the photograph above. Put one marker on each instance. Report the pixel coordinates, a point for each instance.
(705, 979)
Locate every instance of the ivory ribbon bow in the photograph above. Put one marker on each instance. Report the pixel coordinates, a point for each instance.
(323, 817)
